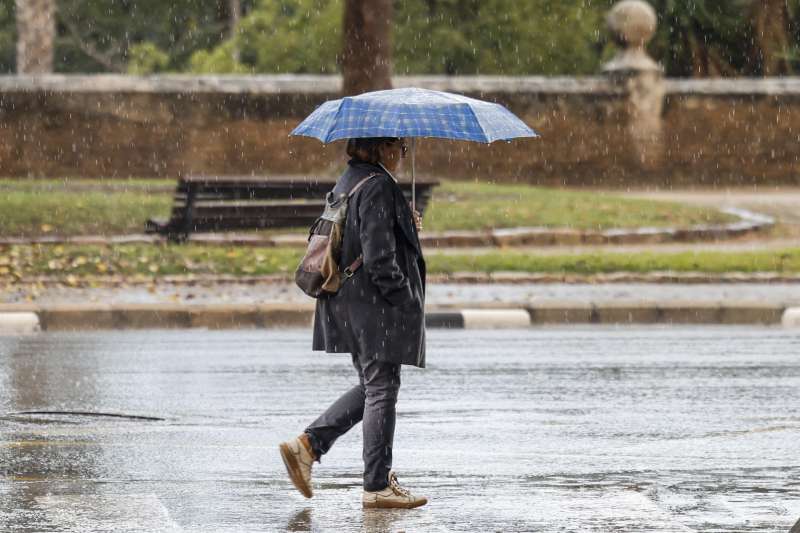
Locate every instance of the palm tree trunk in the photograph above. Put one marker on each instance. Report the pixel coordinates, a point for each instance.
(367, 47)
(36, 30)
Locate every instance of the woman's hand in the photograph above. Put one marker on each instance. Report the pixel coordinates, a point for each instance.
(417, 218)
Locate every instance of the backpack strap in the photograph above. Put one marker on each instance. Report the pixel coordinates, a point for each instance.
(360, 183)
(355, 265)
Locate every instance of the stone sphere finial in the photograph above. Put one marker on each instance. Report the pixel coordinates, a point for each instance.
(633, 22)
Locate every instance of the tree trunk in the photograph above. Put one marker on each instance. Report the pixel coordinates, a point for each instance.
(36, 30)
(367, 47)
(770, 26)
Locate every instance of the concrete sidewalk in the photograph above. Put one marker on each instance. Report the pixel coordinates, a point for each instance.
(468, 289)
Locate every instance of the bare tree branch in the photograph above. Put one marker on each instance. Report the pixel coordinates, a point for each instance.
(107, 58)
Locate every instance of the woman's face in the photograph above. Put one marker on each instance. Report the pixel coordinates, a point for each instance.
(392, 153)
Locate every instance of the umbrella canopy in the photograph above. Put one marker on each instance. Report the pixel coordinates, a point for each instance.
(412, 112)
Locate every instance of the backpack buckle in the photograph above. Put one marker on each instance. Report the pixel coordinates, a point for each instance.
(350, 271)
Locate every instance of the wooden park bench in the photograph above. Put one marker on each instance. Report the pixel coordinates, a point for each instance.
(224, 203)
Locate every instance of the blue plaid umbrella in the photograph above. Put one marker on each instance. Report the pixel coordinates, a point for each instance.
(412, 113)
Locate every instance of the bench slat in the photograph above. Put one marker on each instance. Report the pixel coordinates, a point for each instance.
(231, 224)
(276, 211)
(217, 203)
(292, 180)
(277, 193)
(263, 204)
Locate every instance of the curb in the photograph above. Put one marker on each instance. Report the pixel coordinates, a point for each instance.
(791, 319)
(455, 278)
(661, 277)
(19, 323)
(159, 316)
(21, 318)
(749, 223)
(495, 318)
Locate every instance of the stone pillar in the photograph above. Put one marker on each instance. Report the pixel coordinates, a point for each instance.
(641, 80)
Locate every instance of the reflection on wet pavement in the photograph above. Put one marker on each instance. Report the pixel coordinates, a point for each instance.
(574, 429)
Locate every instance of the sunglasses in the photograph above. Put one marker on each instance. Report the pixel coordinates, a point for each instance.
(403, 146)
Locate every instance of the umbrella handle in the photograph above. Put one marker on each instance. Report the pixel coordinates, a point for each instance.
(413, 174)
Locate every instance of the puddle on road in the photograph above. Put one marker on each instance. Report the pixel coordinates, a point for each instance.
(674, 429)
(121, 514)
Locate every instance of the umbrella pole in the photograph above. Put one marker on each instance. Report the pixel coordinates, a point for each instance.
(413, 174)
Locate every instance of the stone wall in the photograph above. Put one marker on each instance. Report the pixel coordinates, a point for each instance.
(724, 132)
(733, 131)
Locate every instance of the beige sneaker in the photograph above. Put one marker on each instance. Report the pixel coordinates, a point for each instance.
(392, 497)
(299, 458)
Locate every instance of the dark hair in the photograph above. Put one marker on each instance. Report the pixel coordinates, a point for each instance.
(366, 148)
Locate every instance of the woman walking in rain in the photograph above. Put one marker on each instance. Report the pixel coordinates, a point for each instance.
(377, 316)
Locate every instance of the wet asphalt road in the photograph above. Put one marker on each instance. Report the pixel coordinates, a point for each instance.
(577, 429)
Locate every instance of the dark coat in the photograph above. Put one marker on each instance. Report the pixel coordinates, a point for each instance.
(380, 311)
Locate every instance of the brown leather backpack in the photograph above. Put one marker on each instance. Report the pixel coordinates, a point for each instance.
(318, 273)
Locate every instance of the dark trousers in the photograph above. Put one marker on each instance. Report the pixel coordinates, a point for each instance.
(373, 402)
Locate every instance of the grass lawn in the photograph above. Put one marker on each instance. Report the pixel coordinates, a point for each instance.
(475, 206)
(32, 208)
(93, 207)
(73, 262)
